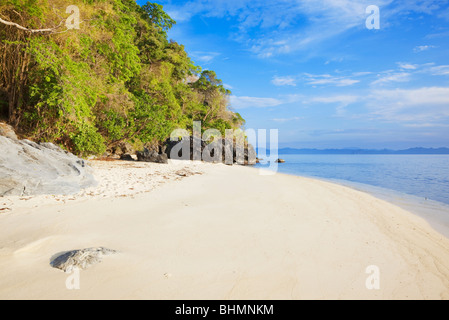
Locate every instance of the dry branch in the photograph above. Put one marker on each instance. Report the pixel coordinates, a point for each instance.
(30, 30)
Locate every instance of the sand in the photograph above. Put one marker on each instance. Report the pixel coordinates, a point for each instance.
(203, 231)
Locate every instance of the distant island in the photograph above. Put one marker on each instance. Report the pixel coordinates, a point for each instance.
(362, 151)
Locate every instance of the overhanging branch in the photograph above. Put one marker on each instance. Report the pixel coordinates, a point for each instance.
(30, 30)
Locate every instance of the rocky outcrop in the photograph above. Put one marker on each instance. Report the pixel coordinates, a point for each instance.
(29, 168)
(152, 156)
(7, 131)
(81, 259)
(174, 149)
(222, 150)
(126, 157)
(119, 149)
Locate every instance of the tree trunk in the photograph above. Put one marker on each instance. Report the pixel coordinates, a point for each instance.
(14, 61)
(14, 77)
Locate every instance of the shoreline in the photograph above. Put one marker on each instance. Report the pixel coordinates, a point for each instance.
(418, 175)
(435, 212)
(219, 232)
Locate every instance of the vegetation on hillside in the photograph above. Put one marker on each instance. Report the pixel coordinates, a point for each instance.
(116, 79)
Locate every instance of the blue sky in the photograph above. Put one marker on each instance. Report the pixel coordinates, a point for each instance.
(313, 70)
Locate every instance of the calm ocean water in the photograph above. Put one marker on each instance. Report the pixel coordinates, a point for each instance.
(423, 176)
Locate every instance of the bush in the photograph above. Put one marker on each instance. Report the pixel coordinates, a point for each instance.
(87, 141)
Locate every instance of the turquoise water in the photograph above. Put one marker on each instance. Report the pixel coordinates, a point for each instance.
(423, 176)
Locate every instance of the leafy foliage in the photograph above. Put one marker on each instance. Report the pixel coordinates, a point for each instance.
(117, 79)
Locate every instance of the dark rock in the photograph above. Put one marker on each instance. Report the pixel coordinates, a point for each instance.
(250, 155)
(126, 157)
(194, 145)
(151, 156)
(152, 147)
(229, 152)
(146, 155)
(163, 158)
(197, 149)
(125, 148)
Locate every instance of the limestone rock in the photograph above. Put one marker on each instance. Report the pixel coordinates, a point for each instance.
(7, 131)
(29, 168)
(81, 259)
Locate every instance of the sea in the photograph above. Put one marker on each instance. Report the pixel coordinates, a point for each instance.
(418, 183)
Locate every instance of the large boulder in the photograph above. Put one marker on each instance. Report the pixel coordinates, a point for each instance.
(29, 168)
(230, 154)
(151, 156)
(194, 145)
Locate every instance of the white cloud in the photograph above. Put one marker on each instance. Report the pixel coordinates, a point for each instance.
(406, 70)
(396, 77)
(408, 107)
(204, 57)
(421, 6)
(426, 125)
(326, 79)
(270, 28)
(273, 25)
(407, 66)
(440, 70)
(422, 48)
(284, 81)
(342, 101)
(253, 102)
(416, 97)
(427, 104)
(444, 14)
(361, 74)
(292, 98)
(283, 120)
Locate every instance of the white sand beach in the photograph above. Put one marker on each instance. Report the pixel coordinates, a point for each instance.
(203, 231)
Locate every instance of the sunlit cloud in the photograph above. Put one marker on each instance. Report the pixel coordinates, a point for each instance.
(327, 79)
(440, 70)
(280, 27)
(396, 77)
(422, 48)
(427, 104)
(407, 66)
(283, 120)
(284, 81)
(341, 101)
(204, 57)
(253, 102)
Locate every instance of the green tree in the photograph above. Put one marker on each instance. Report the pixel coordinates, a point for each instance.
(158, 17)
(117, 79)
